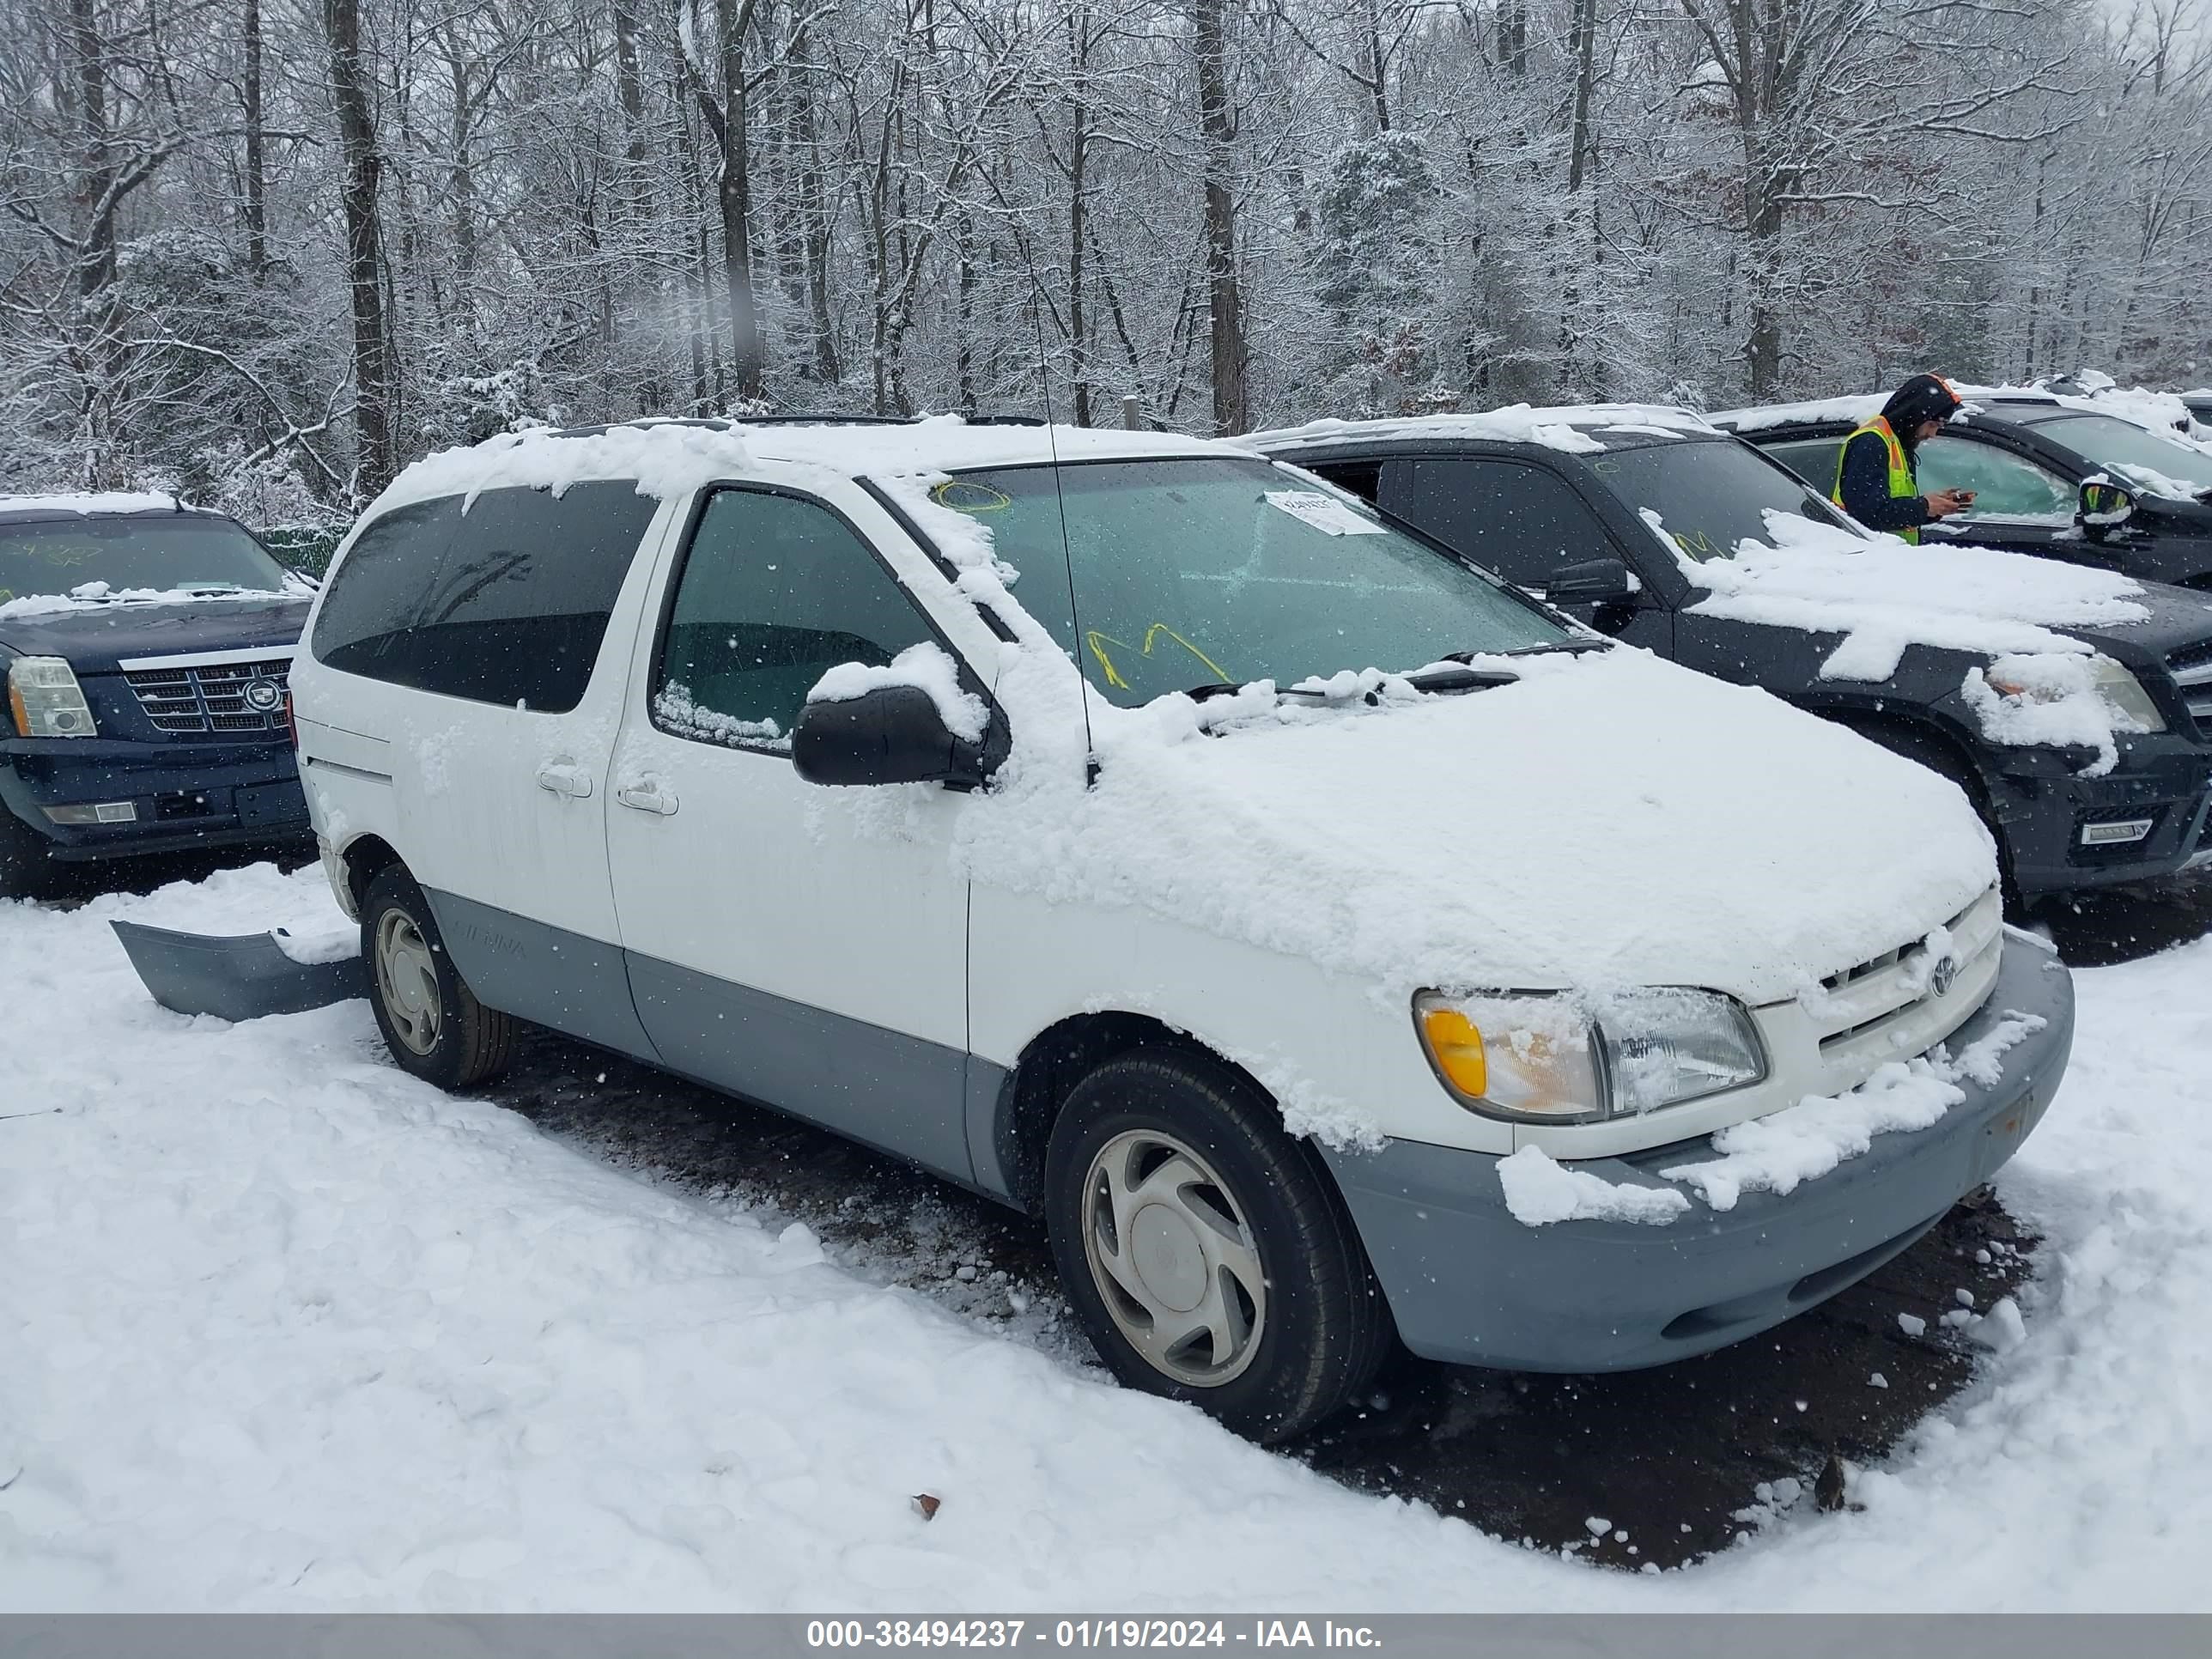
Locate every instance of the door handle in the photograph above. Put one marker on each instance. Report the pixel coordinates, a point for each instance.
(565, 778)
(648, 795)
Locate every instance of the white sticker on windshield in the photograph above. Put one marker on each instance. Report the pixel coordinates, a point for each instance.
(1324, 513)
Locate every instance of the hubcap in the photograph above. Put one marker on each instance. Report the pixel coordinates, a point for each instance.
(1173, 1258)
(407, 981)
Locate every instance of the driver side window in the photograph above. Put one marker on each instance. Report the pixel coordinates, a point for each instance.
(2005, 486)
(1520, 521)
(776, 591)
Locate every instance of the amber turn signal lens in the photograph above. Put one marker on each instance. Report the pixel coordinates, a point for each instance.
(1458, 1046)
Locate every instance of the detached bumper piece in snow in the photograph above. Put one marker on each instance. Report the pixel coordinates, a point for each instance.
(241, 977)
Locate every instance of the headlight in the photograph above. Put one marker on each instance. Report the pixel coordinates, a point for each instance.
(46, 699)
(2111, 681)
(1547, 1058)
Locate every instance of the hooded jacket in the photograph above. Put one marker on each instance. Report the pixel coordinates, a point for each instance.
(1864, 478)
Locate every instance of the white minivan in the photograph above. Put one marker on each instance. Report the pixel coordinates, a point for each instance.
(1331, 944)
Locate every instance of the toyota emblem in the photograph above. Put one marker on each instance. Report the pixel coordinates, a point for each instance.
(1944, 975)
(263, 696)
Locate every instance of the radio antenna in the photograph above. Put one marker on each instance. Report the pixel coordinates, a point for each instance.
(1067, 552)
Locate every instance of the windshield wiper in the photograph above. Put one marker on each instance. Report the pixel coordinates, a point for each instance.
(1444, 681)
(1211, 688)
(1567, 648)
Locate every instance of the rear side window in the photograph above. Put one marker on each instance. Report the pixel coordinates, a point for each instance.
(775, 592)
(505, 602)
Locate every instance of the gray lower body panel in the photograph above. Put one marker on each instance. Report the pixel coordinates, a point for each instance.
(547, 975)
(902, 1093)
(1469, 1283)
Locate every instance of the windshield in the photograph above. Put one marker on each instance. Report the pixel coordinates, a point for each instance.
(2160, 465)
(1709, 496)
(1207, 571)
(163, 553)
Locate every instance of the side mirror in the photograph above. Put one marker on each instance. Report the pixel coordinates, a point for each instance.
(1596, 581)
(2105, 506)
(892, 734)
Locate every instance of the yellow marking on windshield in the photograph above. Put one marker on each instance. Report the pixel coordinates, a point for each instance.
(1098, 641)
(960, 495)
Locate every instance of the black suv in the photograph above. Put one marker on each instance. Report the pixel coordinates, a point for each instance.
(144, 647)
(1560, 502)
(2028, 455)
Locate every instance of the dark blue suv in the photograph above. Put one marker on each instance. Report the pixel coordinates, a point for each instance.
(146, 647)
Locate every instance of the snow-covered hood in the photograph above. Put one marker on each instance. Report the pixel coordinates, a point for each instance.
(1883, 595)
(94, 636)
(1609, 820)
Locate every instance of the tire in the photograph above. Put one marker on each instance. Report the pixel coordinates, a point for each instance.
(432, 1022)
(26, 870)
(1241, 1228)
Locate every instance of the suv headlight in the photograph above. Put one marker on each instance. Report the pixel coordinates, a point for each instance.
(2109, 679)
(46, 700)
(1545, 1057)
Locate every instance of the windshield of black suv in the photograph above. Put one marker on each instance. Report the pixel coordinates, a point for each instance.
(166, 553)
(2163, 465)
(1208, 571)
(1709, 496)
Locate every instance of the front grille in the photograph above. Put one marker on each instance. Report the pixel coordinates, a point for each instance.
(214, 699)
(2191, 668)
(1880, 1007)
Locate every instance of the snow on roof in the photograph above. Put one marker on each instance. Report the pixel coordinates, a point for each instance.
(1565, 427)
(106, 501)
(671, 458)
(1883, 596)
(1857, 409)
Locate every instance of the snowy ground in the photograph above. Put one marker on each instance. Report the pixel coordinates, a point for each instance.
(281, 1328)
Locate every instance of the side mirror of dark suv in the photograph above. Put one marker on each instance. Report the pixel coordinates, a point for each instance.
(2104, 506)
(1594, 581)
(892, 734)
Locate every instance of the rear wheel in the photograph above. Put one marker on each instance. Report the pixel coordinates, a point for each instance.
(432, 1022)
(1206, 1251)
(26, 870)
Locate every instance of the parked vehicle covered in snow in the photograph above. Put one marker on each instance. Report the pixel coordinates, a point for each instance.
(2060, 478)
(2064, 703)
(1323, 937)
(145, 644)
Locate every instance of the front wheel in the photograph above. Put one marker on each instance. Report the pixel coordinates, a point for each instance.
(432, 1022)
(1205, 1250)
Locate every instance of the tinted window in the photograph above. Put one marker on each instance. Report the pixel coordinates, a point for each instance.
(1191, 572)
(2162, 465)
(164, 554)
(1709, 497)
(1363, 479)
(775, 592)
(505, 602)
(2005, 486)
(1813, 459)
(1521, 521)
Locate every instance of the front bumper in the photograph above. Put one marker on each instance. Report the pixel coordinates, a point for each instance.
(2045, 804)
(186, 794)
(1469, 1283)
